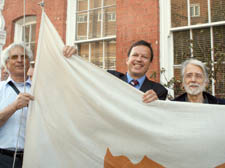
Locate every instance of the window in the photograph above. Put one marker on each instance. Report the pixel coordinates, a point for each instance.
(82, 18)
(191, 33)
(99, 17)
(26, 31)
(195, 10)
(94, 30)
(110, 17)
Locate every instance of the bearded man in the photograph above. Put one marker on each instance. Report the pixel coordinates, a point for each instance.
(194, 80)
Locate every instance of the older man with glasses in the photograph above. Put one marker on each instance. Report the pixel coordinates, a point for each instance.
(194, 80)
(14, 99)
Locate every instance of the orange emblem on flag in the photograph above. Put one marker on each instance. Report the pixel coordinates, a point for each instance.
(111, 161)
(221, 166)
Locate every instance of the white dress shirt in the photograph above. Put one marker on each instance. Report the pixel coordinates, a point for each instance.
(9, 131)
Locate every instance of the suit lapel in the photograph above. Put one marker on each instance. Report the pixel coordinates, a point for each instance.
(124, 78)
(146, 85)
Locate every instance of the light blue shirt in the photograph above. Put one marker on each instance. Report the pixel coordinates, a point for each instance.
(140, 81)
(9, 131)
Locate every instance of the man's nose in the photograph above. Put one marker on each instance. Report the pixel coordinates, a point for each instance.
(20, 58)
(139, 57)
(193, 78)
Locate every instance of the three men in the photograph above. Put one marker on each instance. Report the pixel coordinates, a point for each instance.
(194, 80)
(140, 56)
(13, 111)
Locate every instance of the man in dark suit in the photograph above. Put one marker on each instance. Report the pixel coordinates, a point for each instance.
(140, 56)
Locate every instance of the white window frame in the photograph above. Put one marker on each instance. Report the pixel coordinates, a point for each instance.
(166, 43)
(195, 7)
(111, 16)
(166, 38)
(99, 17)
(71, 27)
(19, 29)
(82, 18)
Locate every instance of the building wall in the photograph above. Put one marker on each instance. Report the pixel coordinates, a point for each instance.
(14, 9)
(137, 20)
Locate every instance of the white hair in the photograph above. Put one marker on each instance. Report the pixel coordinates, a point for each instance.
(5, 52)
(197, 63)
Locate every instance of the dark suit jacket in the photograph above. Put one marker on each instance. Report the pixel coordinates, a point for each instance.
(160, 90)
(211, 99)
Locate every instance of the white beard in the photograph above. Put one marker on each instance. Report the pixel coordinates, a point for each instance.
(194, 91)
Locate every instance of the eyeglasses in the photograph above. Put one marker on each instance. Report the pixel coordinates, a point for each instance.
(15, 57)
(196, 75)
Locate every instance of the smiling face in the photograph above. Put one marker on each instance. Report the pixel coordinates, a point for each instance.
(194, 81)
(138, 61)
(15, 63)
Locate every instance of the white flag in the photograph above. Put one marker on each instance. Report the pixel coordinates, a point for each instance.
(83, 117)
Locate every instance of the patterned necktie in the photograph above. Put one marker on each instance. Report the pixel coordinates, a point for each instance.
(134, 82)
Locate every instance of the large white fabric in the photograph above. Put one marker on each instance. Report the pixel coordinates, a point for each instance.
(80, 110)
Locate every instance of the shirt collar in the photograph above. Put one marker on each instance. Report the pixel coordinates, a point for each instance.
(28, 81)
(140, 80)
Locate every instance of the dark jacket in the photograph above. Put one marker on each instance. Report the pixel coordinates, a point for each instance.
(221, 101)
(160, 90)
(211, 99)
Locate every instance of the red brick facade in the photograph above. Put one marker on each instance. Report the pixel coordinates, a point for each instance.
(13, 10)
(136, 20)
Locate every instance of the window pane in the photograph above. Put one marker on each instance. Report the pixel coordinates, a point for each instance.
(219, 42)
(94, 24)
(96, 53)
(181, 46)
(218, 10)
(81, 26)
(200, 11)
(33, 32)
(202, 44)
(27, 33)
(219, 57)
(110, 54)
(220, 81)
(83, 50)
(109, 2)
(32, 47)
(96, 50)
(95, 4)
(179, 13)
(197, 10)
(110, 21)
(82, 5)
(192, 11)
(97, 22)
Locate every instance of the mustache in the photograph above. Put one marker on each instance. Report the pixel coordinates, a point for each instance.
(194, 85)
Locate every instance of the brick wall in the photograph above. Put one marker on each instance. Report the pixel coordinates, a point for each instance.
(137, 20)
(56, 11)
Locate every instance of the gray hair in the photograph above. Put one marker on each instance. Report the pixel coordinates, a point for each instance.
(5, 52)
(197, 63)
